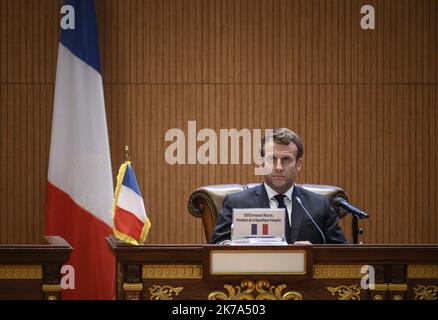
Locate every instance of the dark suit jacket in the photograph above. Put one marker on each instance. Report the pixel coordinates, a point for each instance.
(302, 227)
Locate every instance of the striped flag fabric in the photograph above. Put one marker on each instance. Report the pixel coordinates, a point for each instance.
(255, 232)
(265, 229)
(130, 222)
(80, 184)
(254, 229)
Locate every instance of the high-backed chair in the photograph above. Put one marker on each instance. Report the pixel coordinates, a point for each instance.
(206, 202)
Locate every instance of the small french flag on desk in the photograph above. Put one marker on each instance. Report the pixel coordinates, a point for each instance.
(254, 229)
(130, 222)
(265, 230)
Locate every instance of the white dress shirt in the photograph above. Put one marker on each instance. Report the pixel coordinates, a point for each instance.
(273, 203)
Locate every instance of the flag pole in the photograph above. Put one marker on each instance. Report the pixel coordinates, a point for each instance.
(127, 157)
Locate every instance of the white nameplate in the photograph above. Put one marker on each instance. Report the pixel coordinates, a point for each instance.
(258, 262)
(258, 223)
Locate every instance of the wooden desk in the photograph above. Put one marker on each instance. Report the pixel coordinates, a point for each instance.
(331, 272)
(33, 271)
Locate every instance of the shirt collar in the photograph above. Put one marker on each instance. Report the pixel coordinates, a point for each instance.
(271, 192)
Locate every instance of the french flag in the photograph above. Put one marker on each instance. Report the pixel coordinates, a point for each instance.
(80, 184)
(131, 223)
(265, 229)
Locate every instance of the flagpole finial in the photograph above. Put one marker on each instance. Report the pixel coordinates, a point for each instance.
(127, 157)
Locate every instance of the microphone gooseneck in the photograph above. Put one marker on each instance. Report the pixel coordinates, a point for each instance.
(313, 221)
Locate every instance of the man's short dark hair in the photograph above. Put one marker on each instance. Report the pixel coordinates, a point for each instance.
(283, 136)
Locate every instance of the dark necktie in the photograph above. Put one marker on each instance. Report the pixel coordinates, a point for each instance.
(281, 204)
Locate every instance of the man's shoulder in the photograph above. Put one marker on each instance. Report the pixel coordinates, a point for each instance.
(245, 194)
(310, 195)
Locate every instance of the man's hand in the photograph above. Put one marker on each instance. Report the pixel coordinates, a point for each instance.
(305, 243)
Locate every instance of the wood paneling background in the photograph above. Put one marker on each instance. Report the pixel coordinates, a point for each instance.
(364, 102)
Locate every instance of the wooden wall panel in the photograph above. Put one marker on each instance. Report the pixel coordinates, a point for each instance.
(364, 102)
(25, 139)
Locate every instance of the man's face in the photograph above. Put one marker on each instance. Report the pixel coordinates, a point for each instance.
(285, 166)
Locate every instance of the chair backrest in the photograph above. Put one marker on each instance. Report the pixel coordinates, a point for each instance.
(206, 202)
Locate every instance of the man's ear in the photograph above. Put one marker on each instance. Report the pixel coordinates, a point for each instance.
(299, 163)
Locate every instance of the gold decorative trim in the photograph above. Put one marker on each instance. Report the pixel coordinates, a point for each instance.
(133, 286)
(18, 272)
(379, 287)
(423, 271)
(164, 292)
(337, 271)
(378, 297)
(51, 287)
(173, 271)
(389, 287)
(119, 280)
(51, 298)
(397, 297)
(397, 287)
(425, 292)
(261, 290)
(346, 292)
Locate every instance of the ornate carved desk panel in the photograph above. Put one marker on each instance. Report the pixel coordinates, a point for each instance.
(33, 271)
(313, 272)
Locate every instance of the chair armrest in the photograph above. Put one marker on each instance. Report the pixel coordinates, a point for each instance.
(205, 203)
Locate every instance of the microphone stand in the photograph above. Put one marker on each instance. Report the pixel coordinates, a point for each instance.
(356, 231)
(356, 214)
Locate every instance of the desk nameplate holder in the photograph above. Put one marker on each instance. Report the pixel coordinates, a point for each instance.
(255, 260)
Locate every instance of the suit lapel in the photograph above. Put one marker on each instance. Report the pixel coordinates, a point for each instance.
(261, 197)
(297, 215)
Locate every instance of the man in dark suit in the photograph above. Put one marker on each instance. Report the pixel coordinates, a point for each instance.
(285, 150)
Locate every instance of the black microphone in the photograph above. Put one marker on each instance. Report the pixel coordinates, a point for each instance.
(308, 214)
(344, 205)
